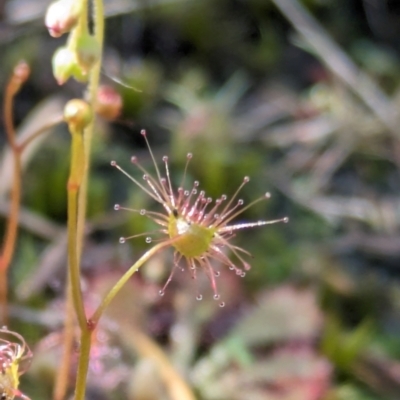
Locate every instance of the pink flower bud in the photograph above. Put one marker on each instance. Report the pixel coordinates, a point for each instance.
(109, 102)
(62, 16)
(21, 72)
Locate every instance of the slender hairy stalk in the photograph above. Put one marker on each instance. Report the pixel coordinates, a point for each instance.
(98, 18)
(10, 238)
(20, 74)
(84, 353)
(60, 387)
(121, 282)
(83, 365)
(73, 188)
(94, 77)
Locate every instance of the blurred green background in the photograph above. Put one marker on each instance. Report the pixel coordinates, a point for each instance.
(303, 97)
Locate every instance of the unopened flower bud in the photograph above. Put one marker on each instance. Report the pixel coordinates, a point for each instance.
(65, 65)
(87, 51)
(77, 114)
(62, 16)
(109, 102)
(63, 62)
(21, 72)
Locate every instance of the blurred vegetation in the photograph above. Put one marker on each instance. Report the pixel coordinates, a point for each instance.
(245, 89)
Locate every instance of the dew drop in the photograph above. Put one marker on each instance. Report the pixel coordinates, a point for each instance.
(268, 195)
(222, 304)
(148, 239)
(161, 292)
(194, 191)
(145, 177)
(224, 197)
(113, 163)
(189, 156)
(143, 132)
(243, 274)
(165, 158)
(122, 240)
(246, 179)
(142, 211)
(134, 160)
(186, 192)
(231, 267)
(163, 181)
(199, 297)
(217, 274)
(117, 207)
(240, 202)
(286, 220)
(196, 183)
(216, 296)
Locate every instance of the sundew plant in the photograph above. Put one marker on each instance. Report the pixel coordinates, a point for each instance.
(199, 230)
(15, 356)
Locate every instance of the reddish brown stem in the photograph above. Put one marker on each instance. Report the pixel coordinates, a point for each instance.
(20, 74)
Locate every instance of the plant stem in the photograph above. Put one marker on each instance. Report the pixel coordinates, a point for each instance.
(121, 282)
(74, 181)
(61, 384)
(93, 321)
(84, 355)
(10, 237)
(83, 364)
(8, 248)
(98, 18)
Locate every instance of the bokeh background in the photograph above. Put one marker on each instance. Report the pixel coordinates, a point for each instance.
(302, 96)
